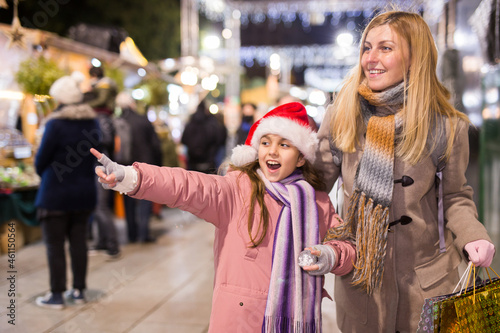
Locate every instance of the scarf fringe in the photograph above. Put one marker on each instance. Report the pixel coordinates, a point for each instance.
(290, 325)
(371, 222)
(346, 231)
(371, 244)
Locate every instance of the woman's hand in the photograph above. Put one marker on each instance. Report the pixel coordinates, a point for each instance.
(481, 252)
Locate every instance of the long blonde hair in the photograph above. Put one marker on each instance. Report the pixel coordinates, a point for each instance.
(426, 97)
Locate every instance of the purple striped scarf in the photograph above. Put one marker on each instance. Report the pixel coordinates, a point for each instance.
(294, 298)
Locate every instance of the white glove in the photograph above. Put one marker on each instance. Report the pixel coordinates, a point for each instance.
(126, 176)
(326, 260)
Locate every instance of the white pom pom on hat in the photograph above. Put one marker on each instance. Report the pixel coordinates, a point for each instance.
(66, 90)
(290, 121)
(78, 76)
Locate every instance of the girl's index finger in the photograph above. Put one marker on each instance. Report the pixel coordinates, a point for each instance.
(96, 153)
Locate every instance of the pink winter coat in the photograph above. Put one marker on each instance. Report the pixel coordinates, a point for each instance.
(242, 273)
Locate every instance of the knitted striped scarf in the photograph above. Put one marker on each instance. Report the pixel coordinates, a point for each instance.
(294, 298)
(367, 217)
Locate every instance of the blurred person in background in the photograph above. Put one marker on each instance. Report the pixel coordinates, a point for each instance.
(248, 111)
(67, 193)
(103, 93)
(221, 153)
(170, 156)
(146, 148)
(102, 98)
(203, 135)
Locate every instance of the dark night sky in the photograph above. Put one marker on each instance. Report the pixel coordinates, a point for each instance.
(268, 33)
(154, 25)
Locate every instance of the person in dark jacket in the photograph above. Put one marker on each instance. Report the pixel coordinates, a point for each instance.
(102, 99)
(67, 193)
(203, 135)
(103, 93)
(145, 147)
(248, 111)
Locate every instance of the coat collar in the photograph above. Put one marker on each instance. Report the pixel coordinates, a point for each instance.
(72, 112)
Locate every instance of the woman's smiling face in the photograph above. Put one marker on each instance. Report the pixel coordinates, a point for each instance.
(385, 58)
(278, 158)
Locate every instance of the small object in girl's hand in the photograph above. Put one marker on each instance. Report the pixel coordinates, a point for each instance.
(306, 258)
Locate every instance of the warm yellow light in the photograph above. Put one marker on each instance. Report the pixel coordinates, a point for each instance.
(130, 52)
(10, 94)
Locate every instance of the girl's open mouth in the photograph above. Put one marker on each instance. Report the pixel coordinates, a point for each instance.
(273, 165)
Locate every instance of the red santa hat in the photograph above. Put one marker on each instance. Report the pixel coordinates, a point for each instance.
(290, 121)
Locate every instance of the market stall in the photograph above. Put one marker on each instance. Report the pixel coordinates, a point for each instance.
(18, 186)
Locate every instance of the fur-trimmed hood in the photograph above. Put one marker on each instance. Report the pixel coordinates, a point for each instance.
(72, 112)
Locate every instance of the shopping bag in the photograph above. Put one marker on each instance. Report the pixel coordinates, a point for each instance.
(479, 311)
(476, 309)
(439, 313)
(430, 315)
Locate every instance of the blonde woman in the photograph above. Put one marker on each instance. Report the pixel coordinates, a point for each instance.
(381, 135)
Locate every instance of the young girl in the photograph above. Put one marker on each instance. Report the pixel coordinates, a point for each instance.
(266, 210)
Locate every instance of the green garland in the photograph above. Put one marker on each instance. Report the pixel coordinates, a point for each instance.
(36, 75)
(155, 90)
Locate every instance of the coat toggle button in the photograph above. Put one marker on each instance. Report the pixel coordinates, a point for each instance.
(405, 181)
(404, 220)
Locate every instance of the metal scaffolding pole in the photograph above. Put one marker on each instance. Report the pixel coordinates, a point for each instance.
(233, 45)
(189, 28)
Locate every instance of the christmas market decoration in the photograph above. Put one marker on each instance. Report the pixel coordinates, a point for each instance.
(16, 34)
(36, 75)
(155, 91)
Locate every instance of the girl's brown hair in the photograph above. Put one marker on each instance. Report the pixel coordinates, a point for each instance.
(259, 189)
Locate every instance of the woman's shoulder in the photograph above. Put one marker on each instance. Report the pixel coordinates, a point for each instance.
(457, 120)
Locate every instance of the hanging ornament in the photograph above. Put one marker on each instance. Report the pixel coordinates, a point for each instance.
(16, 34)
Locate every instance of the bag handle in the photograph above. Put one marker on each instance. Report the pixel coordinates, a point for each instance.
(486, 269)
(474, 279)
(463, 279)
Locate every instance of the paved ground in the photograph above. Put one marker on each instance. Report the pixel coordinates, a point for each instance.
(161, 287)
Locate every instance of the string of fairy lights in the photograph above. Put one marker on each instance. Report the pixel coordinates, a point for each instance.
(338, 55)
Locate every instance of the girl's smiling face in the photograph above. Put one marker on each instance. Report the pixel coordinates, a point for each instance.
(278, 158)
(385, 58)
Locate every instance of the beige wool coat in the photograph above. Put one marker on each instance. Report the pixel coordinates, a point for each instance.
(414, 267)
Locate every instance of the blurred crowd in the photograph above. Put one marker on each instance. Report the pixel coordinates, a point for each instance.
(118, 126)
